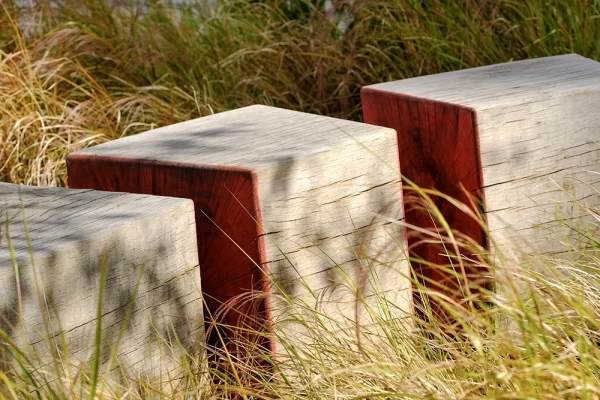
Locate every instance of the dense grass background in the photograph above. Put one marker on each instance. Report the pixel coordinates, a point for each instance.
(78, 72)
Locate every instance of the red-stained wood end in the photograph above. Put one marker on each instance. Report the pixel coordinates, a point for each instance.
(438, 149)
(228, 220)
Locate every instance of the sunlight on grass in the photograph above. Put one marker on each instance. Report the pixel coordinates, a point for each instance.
(535, 336)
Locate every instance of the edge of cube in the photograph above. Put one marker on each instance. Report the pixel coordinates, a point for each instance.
(438, 145)
(144, 176)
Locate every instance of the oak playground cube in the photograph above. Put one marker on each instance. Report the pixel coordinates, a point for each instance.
(291, 205)
(518, 142)
(54, 243)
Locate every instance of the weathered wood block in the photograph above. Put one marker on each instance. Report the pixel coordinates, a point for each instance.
(286, 203)
(152, 279)
(521, 137)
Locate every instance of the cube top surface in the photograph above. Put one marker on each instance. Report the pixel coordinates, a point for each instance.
(251, 137)
(489, 86)
(59, 217)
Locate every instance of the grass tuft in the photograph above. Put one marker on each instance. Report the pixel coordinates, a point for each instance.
(75, 73)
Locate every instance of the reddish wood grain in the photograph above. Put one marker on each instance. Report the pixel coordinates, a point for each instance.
(228, 224)
(438, 149)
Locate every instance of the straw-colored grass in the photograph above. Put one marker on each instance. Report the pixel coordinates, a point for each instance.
(78, 72)
(537, 336)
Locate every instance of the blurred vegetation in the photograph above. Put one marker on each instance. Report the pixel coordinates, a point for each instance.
(78, 72)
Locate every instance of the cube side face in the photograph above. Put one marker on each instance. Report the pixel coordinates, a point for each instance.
(228, 230)
(152, 292)
(538, 160)
(333, 224)
(438, 149)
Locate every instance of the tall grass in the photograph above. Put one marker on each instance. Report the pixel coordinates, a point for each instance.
(536, 337)
(78, 72)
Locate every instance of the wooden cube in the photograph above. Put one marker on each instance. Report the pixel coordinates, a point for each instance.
(152, 289)
(287, 203)
(519, 137)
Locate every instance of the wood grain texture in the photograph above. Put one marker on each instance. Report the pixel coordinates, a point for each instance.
(438, 149)
(522, 137)
(296, 192)
(227, 218)
(145, 238)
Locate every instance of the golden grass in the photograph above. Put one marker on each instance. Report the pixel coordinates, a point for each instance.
(536, 336)
(81, 72)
